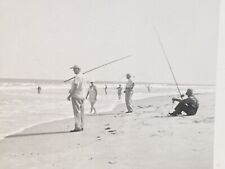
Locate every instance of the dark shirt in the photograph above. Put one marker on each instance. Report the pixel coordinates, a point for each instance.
(192, 101)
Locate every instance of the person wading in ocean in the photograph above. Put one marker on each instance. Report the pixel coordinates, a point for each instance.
(119, 91)
(92, 96)
(39, 89)
(106, 87)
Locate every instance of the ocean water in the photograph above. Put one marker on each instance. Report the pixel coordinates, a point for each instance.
(22, 107)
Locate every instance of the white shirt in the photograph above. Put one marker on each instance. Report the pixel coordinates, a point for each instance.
(129, 84)
(80, 90)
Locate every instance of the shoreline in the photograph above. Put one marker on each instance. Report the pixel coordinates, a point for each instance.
(101, 113)
(60, 81)
(104, 112)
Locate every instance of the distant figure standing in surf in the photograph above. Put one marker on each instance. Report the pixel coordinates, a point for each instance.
(128, 93)
(92, 96)
(106, 87)
(149, 88)
(189, 105)
(119, 91)
(77, 95)
(39, 89)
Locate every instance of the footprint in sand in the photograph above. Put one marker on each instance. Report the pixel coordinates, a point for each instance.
(107, 128)
(113, 133)
(161, 116)
(205, 120)
(99, 138)
(140, 107)
(153, 135)
(112, 162)
(161, 131)
(110, 131)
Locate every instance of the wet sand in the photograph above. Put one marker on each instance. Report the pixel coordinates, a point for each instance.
(144, 139)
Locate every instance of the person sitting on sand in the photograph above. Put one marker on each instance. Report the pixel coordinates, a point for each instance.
(119, 91)
(189, 105)
(92, 96)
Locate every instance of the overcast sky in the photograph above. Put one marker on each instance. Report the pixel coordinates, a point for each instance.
(43, 38)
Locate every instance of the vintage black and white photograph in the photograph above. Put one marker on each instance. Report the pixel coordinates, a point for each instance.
(109, 84)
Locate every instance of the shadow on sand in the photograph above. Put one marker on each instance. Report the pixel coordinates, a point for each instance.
(37, 134)
(106, 114)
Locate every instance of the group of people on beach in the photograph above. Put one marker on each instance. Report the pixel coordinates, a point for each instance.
(77, 96)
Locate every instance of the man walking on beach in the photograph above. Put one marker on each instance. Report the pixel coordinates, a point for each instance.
(128, 93)
(77, 94)
(189, 105)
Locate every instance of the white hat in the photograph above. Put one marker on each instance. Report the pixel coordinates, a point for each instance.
(75, 67)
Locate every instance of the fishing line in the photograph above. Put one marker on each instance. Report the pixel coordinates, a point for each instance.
(167, 60)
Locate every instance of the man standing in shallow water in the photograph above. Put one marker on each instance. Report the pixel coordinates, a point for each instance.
(92, 96)
(189, 105)
(106, 87)
(128, 93)
(39, 89)
(119, 91)
(77, 95)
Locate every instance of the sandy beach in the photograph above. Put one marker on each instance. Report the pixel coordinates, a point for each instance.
(144, 139)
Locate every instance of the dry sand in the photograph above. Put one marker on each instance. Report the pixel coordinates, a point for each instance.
(145, 139)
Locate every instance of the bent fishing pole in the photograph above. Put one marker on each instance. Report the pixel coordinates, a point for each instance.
(167, 60)
(97, 67)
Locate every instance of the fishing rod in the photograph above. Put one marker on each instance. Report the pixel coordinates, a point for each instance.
(97, 67)
(164, 53)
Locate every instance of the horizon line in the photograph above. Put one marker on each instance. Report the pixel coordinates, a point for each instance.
(112, 82)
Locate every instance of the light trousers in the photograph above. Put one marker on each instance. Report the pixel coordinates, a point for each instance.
(128, 100)
(78, 110)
